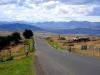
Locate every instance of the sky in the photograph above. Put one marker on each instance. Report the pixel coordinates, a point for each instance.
(50, 10)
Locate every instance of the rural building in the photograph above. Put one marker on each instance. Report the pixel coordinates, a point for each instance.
(79, 39)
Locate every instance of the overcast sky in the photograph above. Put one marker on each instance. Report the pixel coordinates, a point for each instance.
(50, 10)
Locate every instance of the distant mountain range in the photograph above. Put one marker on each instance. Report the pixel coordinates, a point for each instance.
(71, 27)
(77, 31)
(14, 26)
(68, 25)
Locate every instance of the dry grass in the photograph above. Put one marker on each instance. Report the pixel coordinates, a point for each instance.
(77, 46)
(5, 33)
(16, 51)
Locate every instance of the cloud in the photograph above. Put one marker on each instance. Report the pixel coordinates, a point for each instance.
(95, 12)
(7, 2)
(64, 1)
(81, 1)
(47, 10)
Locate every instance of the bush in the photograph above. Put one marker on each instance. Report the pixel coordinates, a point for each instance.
(15, 37)
(62, 38)
(27, 34)
(4, 41)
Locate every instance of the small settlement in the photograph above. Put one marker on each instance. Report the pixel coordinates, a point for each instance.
(86, 43)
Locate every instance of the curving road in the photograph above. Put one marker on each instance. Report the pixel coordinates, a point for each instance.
(54, 62)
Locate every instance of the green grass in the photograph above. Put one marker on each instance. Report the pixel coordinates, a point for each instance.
(22, 66)
(54, 44)
(30, 42)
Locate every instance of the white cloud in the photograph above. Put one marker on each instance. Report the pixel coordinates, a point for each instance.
(47, 11)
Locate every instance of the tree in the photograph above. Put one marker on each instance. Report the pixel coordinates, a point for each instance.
(5, 41)
(27, 33)
(8, 40)
(2, 42)
(15, 37)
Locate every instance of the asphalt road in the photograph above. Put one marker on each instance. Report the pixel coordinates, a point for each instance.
(54, 62)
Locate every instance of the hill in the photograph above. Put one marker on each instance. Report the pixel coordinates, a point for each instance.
(71, 27)
(14, 26)
(68, 25)
(77, 31)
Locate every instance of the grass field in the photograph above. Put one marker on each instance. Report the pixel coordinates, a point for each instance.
(22, 66)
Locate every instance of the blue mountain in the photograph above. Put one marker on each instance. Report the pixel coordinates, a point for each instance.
(77, 31)
(67, 25)
(72, 27)
(15, 26)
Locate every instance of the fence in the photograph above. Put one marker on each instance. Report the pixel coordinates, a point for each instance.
(9, 54)
(91, 50)
(85, 49)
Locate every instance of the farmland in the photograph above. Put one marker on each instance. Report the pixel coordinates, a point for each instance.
(70, 42)
(4, 33)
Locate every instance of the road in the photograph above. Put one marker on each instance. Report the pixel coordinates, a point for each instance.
(54, 62)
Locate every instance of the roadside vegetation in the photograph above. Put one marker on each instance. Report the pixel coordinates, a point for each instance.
(14, 59)
(53, 43)
(23, 66)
